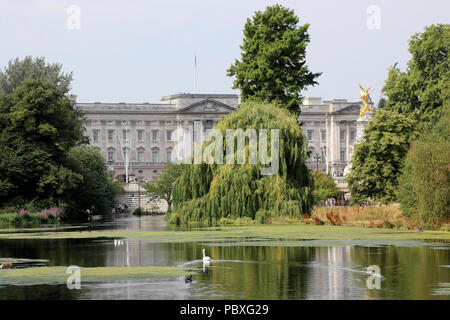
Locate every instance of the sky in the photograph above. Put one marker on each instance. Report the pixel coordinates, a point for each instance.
(138, 51)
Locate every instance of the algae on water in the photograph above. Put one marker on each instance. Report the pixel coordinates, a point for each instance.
(58, 275)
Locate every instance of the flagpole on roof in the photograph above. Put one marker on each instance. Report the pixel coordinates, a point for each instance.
(195, 72)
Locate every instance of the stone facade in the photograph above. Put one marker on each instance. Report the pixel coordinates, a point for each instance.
(144, 132)
(331, 130)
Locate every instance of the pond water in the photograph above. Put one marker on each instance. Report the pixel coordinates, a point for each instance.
(238, 271)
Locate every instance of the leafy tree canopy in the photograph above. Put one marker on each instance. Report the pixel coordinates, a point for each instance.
(97, 190)
(18, 70)
(208, 192)
(378, 159)
(324, 187)
(162, 188)
(424, 88)
(424, 183)
(273, 59)
(38, 127)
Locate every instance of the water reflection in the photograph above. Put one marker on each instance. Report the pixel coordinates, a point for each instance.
(239, 272)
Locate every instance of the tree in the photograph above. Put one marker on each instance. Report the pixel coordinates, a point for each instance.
(96, 190)
(324, 187)
(424, 184)
(209, 192)
(38, 127)
(273, 59)
(163, 187)
(377, 160)
(424, 88)
(18, 70)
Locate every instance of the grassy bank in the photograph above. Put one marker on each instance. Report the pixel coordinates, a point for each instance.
(389, 216)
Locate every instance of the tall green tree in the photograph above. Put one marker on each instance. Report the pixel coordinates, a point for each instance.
(424, 184)
(38, 127)
(208, 192)
(96, 190)
(12, 76)
(162, 188)
(377, 160)
(424, 88)
(273, 59)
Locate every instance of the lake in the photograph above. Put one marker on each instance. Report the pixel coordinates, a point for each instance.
(412, 270)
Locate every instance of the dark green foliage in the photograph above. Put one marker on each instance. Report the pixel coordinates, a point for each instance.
(424, 88)
(138, 212)
(324, 187)
(18, 70)
(424, 185)
(206, 193)
(41, 163)
(38, 127)
(377, 161)
(96, 191)
(273, 59)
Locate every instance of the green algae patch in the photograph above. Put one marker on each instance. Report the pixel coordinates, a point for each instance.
(297, 232)
(58, 275)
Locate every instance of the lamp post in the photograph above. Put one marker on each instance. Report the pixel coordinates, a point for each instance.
(317, 160)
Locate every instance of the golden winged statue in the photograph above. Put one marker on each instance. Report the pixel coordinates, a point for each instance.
(365, 98)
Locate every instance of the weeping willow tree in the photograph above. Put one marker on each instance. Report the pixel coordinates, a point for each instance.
(205, 192)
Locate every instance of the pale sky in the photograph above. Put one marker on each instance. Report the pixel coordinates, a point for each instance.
(138, 51)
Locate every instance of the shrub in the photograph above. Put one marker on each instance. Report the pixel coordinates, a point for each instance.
(263, 216)
(424, 184)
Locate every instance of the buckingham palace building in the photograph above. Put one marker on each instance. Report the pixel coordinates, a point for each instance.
(331, 130)
(137, 139)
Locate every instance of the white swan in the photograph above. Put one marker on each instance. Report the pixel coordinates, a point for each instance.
(206, 258)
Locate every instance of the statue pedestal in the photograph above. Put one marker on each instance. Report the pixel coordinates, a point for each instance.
(361, 125)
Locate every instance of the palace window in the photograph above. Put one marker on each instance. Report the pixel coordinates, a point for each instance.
(155, 156)
(140, 135)
(110, 135)
(110, 156)
(95, 135)
(310, 135)
(343, 155)
(342, 135)
(140, 156)
(352, 136)
(169, 135)
(124, 134)
(154, 135)
(324, 155)
(169, 156)
(323, 135)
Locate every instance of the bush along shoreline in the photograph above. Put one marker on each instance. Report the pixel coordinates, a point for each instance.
(25, 218)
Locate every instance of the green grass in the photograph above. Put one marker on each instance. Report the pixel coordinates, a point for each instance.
(293, 232)
(55, 275)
